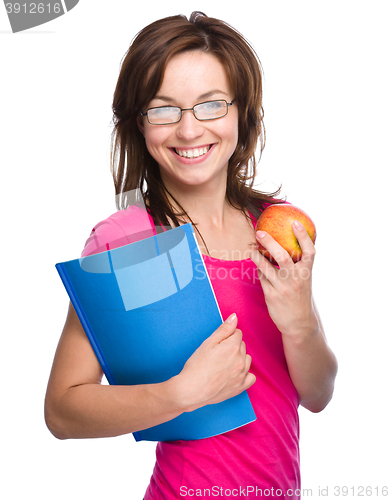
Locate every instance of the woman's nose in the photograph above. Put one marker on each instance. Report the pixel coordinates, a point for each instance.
(189, 127)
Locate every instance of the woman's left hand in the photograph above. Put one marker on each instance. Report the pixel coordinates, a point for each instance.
(288, 290)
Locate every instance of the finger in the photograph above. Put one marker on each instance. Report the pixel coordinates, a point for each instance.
(250, 379)
(234, 338)
(248, 362)
(245, 369)
(226, 330)
(243, 348)
(267, 272)
(278, 253)
(305, 242)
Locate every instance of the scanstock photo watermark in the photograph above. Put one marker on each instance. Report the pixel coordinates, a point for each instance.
(25, 15)
(255, 491)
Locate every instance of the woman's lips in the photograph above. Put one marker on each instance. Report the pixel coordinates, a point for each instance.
(193, 152)
(193, 155)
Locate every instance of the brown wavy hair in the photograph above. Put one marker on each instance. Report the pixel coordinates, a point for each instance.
(142, 72)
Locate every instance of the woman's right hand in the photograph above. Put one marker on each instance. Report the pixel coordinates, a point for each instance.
(218, 369)
(77, 405)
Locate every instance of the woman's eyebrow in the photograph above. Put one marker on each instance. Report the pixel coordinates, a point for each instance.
(211, 93)
(206, 95)
(163, 98)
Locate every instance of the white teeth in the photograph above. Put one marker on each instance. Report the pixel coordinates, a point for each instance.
(192, 153)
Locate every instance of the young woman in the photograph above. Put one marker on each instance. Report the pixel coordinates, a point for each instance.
(188, 117)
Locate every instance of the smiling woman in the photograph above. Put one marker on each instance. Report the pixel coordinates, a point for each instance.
(188, 118)
(143, 69)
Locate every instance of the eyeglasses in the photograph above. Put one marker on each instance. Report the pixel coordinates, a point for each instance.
(167, 115)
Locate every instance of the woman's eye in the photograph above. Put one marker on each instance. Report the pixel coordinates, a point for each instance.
(213, 105)
(162, 111)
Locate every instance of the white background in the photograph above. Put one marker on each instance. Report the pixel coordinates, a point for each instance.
(327, 118)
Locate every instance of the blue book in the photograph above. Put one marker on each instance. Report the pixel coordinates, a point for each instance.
(145, 308)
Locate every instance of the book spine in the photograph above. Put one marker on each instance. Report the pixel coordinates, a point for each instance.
(85, 323)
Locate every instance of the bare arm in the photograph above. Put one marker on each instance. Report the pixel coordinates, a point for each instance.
(77, 405)
(312, 365)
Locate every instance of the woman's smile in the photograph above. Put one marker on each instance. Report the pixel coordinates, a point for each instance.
(192, 153)
(193, 156)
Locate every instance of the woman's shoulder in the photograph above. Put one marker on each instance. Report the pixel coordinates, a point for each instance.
(257, 205)
(120, 228)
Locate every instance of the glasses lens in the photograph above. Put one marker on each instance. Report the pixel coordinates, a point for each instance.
(164, 115)
(210, 110)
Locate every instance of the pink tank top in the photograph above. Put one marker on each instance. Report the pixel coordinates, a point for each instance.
(261, 458)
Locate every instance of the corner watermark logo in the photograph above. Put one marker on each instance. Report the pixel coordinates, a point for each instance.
(24, 15)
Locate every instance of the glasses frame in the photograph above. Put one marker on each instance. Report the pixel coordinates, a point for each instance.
(189, 109)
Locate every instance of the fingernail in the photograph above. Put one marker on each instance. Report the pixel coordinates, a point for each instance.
(298, 225)
(260, 234)
(231, 318)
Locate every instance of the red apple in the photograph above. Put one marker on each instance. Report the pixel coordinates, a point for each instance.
(277, 221)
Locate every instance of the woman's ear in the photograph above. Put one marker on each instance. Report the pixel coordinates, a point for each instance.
(140, 123)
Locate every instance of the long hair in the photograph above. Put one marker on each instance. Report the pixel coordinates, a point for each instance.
(141, 75)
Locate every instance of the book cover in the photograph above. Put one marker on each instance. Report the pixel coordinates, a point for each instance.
(145, 308)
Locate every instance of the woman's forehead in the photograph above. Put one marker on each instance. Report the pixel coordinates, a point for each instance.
(197, 74)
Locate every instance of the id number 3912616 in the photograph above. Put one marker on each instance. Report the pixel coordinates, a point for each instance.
(33, 8)
(357, 491)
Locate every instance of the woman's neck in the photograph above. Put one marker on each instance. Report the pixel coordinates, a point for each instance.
(203, 206)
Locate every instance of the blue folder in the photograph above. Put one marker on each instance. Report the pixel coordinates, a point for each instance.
(145, 308)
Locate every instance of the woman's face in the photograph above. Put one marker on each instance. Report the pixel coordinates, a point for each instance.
(192, 152)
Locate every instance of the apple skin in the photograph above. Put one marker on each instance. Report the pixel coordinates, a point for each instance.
(277, 221)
